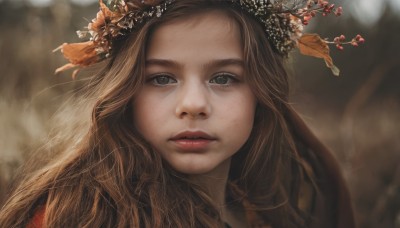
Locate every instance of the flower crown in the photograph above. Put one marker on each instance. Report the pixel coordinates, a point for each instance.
(282, 20)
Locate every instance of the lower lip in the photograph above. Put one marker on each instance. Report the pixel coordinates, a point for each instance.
(193, 144)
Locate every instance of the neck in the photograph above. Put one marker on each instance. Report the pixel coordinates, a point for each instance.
(214, 182)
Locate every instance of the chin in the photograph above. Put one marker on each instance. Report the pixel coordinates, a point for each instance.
(193, 170)
(202, 167)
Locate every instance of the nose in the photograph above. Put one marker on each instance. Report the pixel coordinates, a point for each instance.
(193, 101)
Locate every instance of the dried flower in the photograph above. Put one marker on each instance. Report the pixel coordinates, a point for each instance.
(282, 21)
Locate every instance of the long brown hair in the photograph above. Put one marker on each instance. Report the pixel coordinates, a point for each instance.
(113, 178)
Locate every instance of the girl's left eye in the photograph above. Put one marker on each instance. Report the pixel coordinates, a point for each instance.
(223, 79)
(162, 80)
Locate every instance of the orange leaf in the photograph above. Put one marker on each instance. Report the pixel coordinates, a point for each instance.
(83, 54)
(98, 22)
(65, 67)
(106, 11)
(104, 14)
(313, 45)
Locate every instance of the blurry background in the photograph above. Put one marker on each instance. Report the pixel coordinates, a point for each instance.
(357, 114)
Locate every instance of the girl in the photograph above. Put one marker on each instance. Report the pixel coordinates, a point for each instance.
(190, 126)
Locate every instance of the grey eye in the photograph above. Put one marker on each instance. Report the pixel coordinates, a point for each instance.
(223, 79)
(163, 80)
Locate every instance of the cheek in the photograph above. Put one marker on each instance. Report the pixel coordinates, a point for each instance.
(241, 113)
(245, 121)
(142, 114)
(243, 107)
(149, 114)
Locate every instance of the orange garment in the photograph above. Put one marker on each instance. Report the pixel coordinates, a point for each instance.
(37, 220)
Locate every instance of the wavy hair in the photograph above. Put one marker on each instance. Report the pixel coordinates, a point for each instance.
(113, 178)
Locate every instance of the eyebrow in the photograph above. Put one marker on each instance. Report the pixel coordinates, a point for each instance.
(212, 64)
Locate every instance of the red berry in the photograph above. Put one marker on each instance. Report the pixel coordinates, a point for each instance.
(339, 11)
(336, 40)
(339, 47)
(327, 10)
(307, 17)
(324, 3)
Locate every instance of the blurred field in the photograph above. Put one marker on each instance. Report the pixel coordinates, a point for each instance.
(357, 114)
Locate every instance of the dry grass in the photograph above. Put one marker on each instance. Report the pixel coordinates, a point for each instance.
(369, 152)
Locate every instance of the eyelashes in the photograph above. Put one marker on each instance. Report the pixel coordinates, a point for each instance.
(221, 79)
(162, 80)
(224, 79)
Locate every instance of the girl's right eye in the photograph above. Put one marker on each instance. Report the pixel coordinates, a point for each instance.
(162, 80)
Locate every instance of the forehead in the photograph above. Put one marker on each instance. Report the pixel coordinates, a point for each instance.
(212, 32)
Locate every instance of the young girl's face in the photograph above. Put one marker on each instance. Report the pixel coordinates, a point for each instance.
(196, 108)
